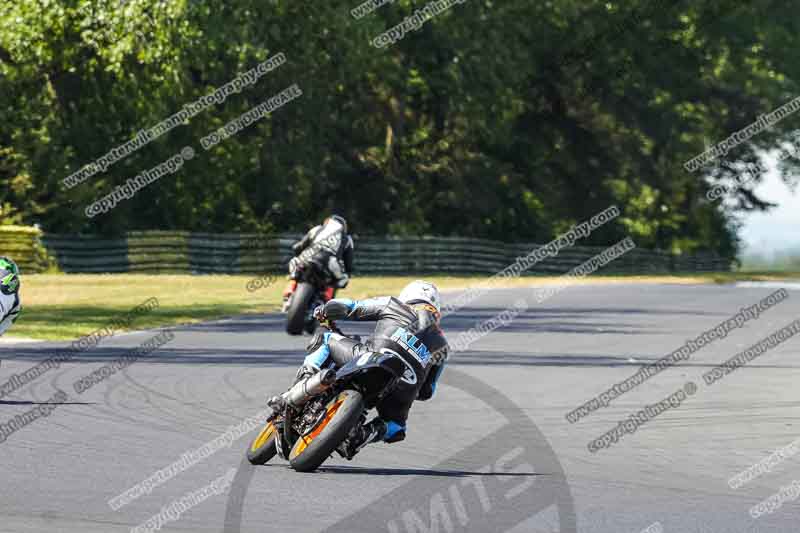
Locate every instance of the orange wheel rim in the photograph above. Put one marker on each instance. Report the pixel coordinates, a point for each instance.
(303, 442)
(263, 437)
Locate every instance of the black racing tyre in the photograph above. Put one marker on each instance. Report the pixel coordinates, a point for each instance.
(311, 326)
(262, 449)
(298, 308)
(311, 450)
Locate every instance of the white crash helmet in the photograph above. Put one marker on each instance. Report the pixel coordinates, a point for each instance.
(422, 292)
(339, 219)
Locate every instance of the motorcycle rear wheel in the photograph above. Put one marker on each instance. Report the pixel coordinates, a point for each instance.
(312, 449)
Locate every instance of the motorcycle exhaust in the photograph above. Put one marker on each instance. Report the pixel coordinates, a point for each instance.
(308, 388)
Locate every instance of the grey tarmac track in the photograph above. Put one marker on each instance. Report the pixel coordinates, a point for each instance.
(59, 472)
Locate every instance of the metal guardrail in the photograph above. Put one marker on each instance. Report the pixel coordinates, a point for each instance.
(208, 253)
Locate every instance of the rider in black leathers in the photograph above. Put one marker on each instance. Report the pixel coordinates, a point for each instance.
(329, 245)
(408, 326)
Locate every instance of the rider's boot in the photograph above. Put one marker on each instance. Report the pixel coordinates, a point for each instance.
(318, 353)
(362, 435)
(304, 372)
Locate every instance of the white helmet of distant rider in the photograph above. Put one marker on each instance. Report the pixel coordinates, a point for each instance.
(339, 220)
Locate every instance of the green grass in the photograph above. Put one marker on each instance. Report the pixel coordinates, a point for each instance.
(67, 306)
(754, 275)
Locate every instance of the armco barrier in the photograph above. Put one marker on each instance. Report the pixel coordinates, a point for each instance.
(208, 253)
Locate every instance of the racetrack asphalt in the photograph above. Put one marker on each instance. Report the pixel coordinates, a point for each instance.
(492, 451)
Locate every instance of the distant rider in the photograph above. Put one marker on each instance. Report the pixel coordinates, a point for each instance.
(407, 325)
(327, 244)
(10, 305)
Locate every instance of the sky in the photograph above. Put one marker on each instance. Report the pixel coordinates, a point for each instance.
(777, 229)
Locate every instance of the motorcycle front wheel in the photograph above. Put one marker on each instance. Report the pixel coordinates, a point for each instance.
(298, 308)
(262, 449)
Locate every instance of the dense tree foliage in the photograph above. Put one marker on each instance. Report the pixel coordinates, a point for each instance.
(508, 120)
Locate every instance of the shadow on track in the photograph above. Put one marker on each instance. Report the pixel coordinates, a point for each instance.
(372, 471)
(28, 402)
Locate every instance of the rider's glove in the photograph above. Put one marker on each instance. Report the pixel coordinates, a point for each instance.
(342, 282)
(319, 312)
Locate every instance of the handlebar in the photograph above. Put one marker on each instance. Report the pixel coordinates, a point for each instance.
(330, 325)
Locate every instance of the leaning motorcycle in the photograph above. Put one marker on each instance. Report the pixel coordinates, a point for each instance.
(313, 281)
(318, 413)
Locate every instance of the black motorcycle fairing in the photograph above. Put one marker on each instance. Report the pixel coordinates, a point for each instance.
(374, 373)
